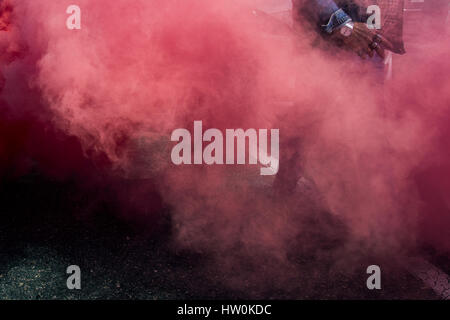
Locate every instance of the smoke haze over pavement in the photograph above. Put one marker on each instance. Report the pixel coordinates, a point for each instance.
(139, 69)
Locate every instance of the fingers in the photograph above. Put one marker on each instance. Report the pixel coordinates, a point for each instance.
(367, 42)
(385, 42)
(360, 47)
(368, 51)
(366, 39)
(360, 30)
(378, 46)
(380, 51)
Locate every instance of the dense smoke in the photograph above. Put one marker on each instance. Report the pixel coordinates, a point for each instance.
(139, 69)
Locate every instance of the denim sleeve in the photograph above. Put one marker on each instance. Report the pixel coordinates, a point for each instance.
(328, 14)
(326, 7)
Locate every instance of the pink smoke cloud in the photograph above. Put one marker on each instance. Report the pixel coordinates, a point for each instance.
(139, 69)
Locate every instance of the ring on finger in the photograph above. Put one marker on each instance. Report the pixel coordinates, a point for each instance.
(374, 45)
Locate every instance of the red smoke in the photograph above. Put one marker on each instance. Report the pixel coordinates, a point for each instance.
(139, 69)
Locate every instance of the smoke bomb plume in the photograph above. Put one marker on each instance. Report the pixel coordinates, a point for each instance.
(139, 69)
